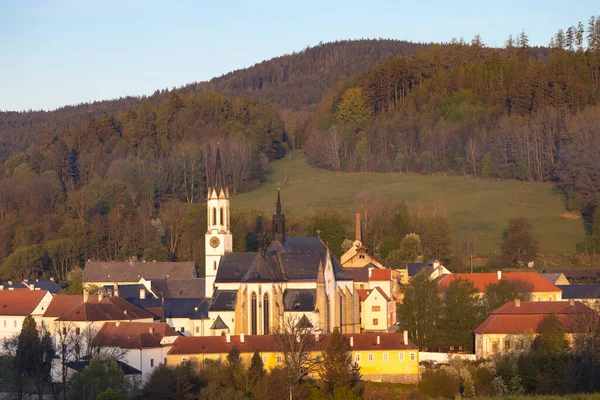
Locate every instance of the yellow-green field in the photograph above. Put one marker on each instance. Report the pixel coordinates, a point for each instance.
(479, 209)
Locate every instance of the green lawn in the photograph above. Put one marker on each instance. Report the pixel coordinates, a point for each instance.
(479, 209)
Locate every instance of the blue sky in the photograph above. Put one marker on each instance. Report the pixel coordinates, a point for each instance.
(55, 53)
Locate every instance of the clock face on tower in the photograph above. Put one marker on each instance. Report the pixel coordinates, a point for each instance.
(214, 242)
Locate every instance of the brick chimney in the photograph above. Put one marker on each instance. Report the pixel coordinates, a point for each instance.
(499, 275)
(100, 294)
(116, 290)
(351, 341)
(241, 337)
(86, 295)
(358, 235)
(518, 303)
(406, 338)
(378, 339)
(228, 337)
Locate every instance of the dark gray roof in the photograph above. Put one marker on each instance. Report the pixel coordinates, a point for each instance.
(219, 324)
(133, 271)
(176, 308)
(580, 291)
(299, 299)
(223, 300)
(551, 277)
(413, 268)
(126, 368)
(48, 285)
(179, 288)
(304, 323)
(297, 259)
(127, 292)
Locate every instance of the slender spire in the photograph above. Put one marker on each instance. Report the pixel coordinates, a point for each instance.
(278, 206)
(218, 171)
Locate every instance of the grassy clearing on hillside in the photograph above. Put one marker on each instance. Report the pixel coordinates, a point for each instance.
(479, 209)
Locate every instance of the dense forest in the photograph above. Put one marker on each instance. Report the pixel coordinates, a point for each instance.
(125, 178)
(295, 82)
(464, 109)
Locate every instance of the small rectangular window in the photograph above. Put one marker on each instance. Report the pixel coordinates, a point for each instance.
(64, 330)
(375, 321)
(549, 298)
(412, 356)
(15, 323)
(507, 344)
(357, 358)
(77, 331)
(197, 329)
(265, 359)
(376, 308)
(184, 359)
(4, 323)
(401, 355)
(182, 329)
(386, 357)
(165, 361)
(278, 359)
(370, 357)
(151, 362)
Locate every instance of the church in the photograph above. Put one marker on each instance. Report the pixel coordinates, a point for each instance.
(292, 277)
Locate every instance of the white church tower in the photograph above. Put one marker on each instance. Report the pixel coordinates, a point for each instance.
(218, 239)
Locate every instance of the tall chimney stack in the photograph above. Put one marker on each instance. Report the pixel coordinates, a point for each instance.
(499, 275)
(86, 295)
(358, 236)
(406, 338)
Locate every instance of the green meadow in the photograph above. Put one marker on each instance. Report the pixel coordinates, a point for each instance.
(479, 209)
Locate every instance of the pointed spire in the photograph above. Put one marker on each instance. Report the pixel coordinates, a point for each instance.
(218, 171)
(278, 206)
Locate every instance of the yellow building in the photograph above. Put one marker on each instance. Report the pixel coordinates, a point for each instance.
(381, 357)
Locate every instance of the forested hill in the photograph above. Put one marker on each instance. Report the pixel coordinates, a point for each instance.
(296, 80)
(300, 79)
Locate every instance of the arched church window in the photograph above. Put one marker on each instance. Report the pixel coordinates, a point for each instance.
(253, 313)
(266, 314)
(214, 218)
(221, 215)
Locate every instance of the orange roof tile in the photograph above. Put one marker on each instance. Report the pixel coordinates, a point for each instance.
(481, 281)
(20, 302)
(363, 293)
(380, 275)
(133, 335)
(190, 345)
(61, 304)
(512, 319)
(109, 309)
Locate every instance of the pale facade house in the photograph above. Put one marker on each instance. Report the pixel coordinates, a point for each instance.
(15, 305)
(377, 310)
(513, 327)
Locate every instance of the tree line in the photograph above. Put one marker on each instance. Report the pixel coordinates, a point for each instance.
(509, 113)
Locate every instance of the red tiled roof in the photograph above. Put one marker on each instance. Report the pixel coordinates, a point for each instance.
(133, 335)
(20, 302)
(109, 309)
(385, 296)
(512, 319)
(190, 345)
(61, 304)
(480, 281)
(380, 275)
(363, 293)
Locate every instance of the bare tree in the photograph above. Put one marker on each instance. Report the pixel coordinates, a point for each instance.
(298, 345)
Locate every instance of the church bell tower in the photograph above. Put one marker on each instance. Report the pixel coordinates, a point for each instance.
(218, 238)
(278, 222)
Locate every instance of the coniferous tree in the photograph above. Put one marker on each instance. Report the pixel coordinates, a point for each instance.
(336, 368)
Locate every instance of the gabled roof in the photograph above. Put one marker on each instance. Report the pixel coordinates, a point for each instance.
(42, 284)
(413, 268)
(133, 271)
(174, 308)
(20, 302)
(297, 259)
(380, 275)
(219, 324)
(179, 288)
(551, 277)
(580, 291)
(191, 345)
(363, 294)
(223, 300)
(62, 304)
(108, 309)
(132, 335)
(304, 323)
(480, 281)
(299, 300)
(513, 319)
